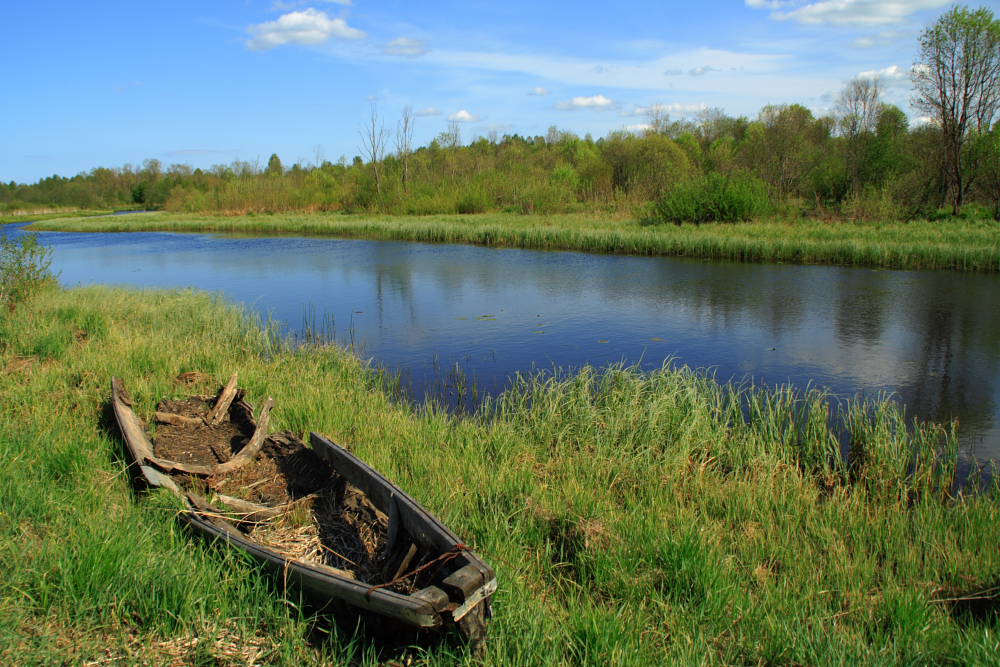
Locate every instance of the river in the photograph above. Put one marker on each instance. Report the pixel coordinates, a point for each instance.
(932, 339)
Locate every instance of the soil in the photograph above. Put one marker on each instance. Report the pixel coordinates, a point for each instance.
(325, 520)
(203, 444)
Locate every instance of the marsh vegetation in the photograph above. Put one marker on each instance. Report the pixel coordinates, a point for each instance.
(642, 518)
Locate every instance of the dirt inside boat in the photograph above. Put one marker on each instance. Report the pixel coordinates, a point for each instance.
(321, 519)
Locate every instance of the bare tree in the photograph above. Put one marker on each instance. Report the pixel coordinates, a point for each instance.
(957, 83)
(453, 135)
(404, 141)
(373, 146)
(858, 109)
(657, 120)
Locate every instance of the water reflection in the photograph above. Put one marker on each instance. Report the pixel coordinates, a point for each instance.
(933, 338)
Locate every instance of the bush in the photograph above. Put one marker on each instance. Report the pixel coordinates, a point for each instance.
(873, 204)
(473, 200)
(24, 268)
(713, 198)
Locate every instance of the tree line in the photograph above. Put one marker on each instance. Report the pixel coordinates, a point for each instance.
(862, 161)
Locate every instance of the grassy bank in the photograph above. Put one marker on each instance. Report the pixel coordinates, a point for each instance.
(35, 216)
(631, 519)
(953, 244)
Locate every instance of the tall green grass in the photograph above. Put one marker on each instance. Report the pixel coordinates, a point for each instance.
(632, 518)
(962, 245)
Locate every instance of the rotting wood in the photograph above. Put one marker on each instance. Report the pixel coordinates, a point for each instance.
(243, 457)
(135, 437)
(221, 408)
(435, 596)
(463, 582)
(177, 420)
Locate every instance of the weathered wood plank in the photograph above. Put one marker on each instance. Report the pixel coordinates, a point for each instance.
(221, 408)
(435, 596)
(463, 582)
(177, 420)
(245, 455)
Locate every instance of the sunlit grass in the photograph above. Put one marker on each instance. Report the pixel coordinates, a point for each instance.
(632, 518)
(960, 245)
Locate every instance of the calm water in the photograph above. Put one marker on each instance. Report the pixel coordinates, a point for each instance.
(931, 338)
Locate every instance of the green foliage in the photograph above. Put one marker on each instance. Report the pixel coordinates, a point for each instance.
(24, 268)
(473, 200)
(714, 198)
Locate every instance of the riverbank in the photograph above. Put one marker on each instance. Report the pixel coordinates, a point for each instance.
(950, 244)
(630, 518)
(49, 214)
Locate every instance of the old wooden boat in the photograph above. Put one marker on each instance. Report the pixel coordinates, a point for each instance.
(321, 517)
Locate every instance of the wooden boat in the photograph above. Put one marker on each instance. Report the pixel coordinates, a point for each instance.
(418, 572)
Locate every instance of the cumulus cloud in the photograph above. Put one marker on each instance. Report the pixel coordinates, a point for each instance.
(406, 47)
(892, 72)
(463, 116)
(308, 27)
(538, 90)
(845, 12)
(427, 111)
(593, 102)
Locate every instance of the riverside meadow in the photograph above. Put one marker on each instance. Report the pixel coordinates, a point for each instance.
(631, 518)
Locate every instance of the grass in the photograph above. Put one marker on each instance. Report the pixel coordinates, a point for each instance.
(632, 518)
(957, 245)
(49, 214)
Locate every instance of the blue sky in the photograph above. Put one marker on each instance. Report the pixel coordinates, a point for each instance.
(202, 83)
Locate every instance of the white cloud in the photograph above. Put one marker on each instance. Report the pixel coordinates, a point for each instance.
(593, 102)
(638, 127)
(740, 73)
(463, 116)
(879, 39)
(406, 47)
(308, 27)
(427, 111)
(284, 5)
(703, 70)
(538, 90)
(892, 72)
(845, 12)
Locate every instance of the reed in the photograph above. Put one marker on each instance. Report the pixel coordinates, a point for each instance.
(632, 518)
(962, 245)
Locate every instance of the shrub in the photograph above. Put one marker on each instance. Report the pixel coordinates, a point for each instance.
(24, 268)
(872, 204)
(473, 200)
(713, 198)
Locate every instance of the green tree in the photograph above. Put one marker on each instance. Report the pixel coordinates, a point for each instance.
(274, 166)
(957, 81)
